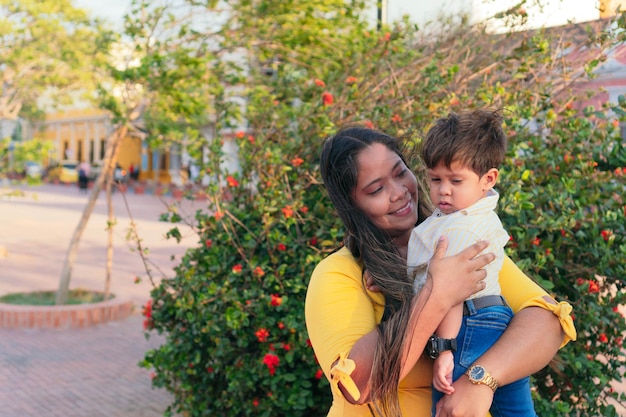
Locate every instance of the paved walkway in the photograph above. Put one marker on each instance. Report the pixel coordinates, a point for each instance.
(88, 372)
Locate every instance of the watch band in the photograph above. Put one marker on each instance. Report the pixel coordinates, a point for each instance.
(436, 345)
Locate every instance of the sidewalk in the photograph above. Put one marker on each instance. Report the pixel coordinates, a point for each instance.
(89, 372)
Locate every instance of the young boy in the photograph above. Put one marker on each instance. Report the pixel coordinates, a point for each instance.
(462, 153)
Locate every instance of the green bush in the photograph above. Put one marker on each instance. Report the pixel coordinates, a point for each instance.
(236, 343)
(567, 221)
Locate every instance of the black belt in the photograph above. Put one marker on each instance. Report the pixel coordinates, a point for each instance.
(486, 301)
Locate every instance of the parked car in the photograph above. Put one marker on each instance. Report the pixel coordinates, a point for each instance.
(65, 171)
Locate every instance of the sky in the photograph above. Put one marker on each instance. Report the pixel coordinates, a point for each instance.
(558, 12)
(111, 10)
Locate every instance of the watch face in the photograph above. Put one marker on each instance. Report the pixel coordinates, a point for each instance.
(477, 373)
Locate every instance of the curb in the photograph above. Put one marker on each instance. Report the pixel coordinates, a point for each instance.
(13, 316)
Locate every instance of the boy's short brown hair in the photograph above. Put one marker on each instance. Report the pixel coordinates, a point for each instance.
(475, 139)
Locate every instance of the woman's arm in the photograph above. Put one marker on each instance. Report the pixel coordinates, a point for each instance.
(443, 290)
(528, 344)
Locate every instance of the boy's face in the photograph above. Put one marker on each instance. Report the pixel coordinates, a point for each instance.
(458, 187)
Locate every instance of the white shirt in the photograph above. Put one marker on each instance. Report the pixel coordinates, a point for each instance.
(463, 228)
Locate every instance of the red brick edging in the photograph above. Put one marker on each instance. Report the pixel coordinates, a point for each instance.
(75, 316)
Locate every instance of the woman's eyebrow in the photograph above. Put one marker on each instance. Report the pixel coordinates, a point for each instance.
(379, 179)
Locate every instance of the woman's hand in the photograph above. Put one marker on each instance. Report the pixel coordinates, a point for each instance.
(455, 278)
(468, 400)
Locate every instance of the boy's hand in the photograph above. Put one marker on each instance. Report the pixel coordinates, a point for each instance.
(442, 372)
(369, 282)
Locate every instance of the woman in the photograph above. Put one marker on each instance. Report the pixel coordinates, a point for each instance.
(370, 344)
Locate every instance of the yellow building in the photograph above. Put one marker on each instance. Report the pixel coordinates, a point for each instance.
(81, 135)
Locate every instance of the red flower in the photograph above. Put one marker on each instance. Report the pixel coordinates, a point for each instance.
(218, 215)
(208, 243)
(271, 361)
(281, 325)
(286, 346)
(327, 98)
(593, 287)
(580, 281)
(232, 181)
(396, 118)
(251, 139)
(237, 268)
(147, 309)
(536, 241)
(368, 124)
(255, 402)
(387, 37)
(240, 135)
(296, 162)
(320, 83)
(606, 235)
(262, 334)
(603, 338)
(563, 233)
(209, 369)
(276, 300)
(258, 271)
(548, 251)
(313, 241)
(318, 374)
(281, 247)
(351, 80)
(304, 209)
(287, 211)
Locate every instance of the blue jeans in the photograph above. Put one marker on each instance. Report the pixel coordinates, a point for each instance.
(479, 330)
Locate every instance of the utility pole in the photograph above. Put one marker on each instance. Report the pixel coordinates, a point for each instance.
(381, 18)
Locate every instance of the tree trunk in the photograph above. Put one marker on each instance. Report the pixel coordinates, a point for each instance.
(110, 225)
(72, 251)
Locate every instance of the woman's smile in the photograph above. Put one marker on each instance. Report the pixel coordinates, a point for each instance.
(404, 210)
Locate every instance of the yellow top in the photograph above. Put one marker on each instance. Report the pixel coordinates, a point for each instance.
(339, 312)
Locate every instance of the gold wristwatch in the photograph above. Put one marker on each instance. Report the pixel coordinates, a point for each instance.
(479, 375)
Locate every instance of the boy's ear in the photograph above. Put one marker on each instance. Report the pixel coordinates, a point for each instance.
(490, 178)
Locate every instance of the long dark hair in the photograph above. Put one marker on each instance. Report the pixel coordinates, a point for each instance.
(374, 249)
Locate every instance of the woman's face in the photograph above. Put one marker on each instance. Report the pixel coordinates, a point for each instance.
(386, 191)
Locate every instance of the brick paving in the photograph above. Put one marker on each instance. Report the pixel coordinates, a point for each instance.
(89, 372)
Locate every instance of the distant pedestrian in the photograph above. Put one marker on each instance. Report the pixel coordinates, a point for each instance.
(84, 170)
